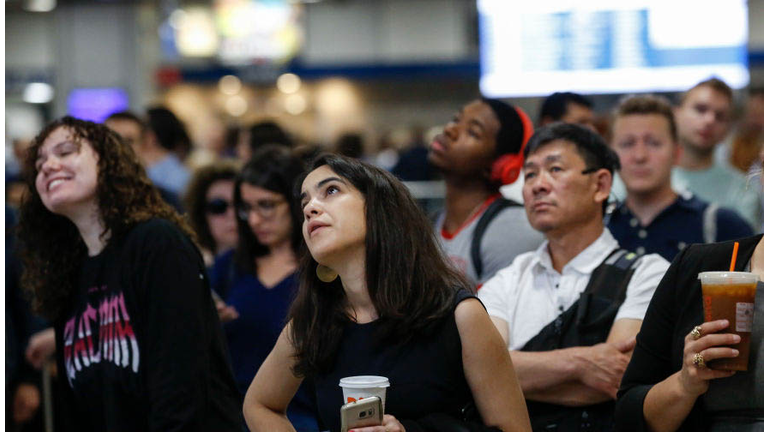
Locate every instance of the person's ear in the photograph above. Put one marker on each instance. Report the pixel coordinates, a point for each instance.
(603, 183)
(678, 153)
(150, 140)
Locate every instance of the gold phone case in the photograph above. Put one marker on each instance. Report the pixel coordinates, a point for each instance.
(365, 412)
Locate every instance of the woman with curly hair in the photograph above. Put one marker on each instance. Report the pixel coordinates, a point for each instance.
(211, 210)
(114, 267)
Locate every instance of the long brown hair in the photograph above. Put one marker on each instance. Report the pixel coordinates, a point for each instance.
(52, 248)
(410, 282)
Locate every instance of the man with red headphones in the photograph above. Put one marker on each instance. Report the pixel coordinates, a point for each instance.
(479, 150)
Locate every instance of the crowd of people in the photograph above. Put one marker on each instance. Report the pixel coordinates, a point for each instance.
(235, 295)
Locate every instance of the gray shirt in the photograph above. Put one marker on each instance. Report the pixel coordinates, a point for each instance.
(506, 237)
(725, 186)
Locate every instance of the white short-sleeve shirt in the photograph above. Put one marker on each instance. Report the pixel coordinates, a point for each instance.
(529, 294)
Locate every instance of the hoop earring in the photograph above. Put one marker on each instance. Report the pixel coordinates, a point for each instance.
(325, 273)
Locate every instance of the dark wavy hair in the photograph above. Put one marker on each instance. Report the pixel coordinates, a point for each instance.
(194, 199)
(53, 250)
(274, 168)
(410, 281)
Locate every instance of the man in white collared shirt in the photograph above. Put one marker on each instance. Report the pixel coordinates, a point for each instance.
(568, 172)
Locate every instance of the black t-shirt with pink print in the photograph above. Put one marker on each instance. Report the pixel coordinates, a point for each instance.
(140, 347)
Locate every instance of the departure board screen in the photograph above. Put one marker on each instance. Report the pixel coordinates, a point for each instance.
(598, 46)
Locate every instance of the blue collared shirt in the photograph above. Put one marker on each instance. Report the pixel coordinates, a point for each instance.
(170, 174)
(677, 226)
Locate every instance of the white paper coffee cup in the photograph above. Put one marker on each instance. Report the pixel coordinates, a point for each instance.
(363, 386)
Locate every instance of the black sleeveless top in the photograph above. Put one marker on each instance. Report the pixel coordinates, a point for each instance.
(426, 375)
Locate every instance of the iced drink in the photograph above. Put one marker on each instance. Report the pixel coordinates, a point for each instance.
(731, 296)
(363, 386)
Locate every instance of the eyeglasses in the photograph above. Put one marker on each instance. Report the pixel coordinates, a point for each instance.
(217, 206)
(264, 208)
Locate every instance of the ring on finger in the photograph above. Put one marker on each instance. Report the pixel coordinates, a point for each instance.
(696, 332)
(698, 360)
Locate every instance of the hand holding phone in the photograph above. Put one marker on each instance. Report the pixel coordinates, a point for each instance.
(226, 312)
(361, 413)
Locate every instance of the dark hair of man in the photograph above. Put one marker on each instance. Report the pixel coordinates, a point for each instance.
(509, 138)
(555, 105)
(195, 201)
(590, 146)
(646, 105)
(410, 282)
(268, 132)
(53, 249)
(169, 130)
(273, 168)
(715, 84)
(127, 116)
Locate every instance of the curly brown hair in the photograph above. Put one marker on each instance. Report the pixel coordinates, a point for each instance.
(194, 199)
(52, 248)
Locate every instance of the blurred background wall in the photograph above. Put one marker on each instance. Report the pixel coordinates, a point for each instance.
(374, 66)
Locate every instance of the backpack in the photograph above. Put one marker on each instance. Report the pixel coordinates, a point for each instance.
(586, 323)
(482, 225)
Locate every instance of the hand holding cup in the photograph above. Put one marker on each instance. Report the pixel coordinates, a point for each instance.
(710, 345)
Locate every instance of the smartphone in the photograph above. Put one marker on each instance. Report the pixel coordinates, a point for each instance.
(365, 412)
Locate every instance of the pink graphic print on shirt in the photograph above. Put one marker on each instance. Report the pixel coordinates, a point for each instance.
(116, 340)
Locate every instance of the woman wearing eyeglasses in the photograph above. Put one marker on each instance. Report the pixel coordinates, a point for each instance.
(209, 201)
(258, 280)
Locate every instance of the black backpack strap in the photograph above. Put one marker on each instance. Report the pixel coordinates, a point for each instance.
(477, 235)
(585, 323)
(434, 216)
(590, 318)
(613, 271)
(609, 281)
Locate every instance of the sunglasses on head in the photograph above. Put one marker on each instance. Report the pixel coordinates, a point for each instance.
(217, 206)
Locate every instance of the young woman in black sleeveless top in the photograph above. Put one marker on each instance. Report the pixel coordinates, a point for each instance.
(393, 307)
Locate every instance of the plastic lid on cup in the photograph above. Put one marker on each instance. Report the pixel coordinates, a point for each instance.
(726, 277)
(364, 381)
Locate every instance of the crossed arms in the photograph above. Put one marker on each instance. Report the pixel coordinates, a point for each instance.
(575, 376)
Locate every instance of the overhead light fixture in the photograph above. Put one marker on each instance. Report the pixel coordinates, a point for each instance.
(196, 33)
(177, 18)
(230, 85)
(38, 93)
(236, 106)
(39, 5)
(295, 104)
(288, 83)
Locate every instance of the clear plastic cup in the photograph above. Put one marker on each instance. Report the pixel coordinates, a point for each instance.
(731, 296)
(363, 386)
